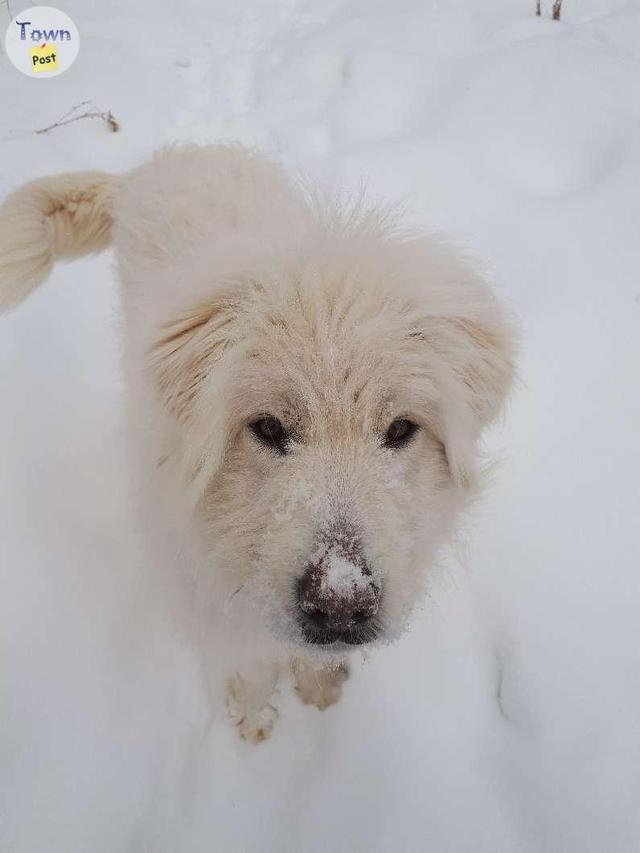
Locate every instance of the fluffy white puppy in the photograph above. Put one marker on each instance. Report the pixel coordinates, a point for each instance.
(307, 384)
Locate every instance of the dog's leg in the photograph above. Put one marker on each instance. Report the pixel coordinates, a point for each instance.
(249, 701)
(319, 685)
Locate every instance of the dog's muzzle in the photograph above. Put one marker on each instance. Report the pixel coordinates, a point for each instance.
(338, 602)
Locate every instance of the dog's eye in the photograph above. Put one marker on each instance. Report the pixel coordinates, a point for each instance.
(270, 432)
(400, 433)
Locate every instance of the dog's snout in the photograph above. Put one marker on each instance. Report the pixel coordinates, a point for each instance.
(338, 600)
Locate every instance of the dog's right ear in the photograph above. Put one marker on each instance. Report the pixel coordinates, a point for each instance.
(475, 357)
(187, 349)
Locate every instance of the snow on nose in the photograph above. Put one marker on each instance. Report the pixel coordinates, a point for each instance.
(337, 592)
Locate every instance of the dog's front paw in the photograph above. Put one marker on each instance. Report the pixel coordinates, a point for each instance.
(255, 727)
(320, 687)
(253, 720)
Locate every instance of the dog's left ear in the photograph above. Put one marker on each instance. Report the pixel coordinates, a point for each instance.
(183, 361)
(474, 349)
(185, 352)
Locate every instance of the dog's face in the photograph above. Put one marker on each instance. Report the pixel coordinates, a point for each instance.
(334, 490)
(328, 468)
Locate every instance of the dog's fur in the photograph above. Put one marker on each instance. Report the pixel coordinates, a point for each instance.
(244, 294)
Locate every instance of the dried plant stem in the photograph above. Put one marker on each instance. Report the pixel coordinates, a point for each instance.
(107, 117)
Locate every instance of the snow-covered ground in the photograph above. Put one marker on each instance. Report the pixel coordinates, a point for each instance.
(509, 718)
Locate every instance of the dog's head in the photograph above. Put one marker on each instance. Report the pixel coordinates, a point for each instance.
(328, 408)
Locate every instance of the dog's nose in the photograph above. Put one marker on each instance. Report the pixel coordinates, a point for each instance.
(338, 599)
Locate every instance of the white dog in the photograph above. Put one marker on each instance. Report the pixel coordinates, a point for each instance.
(306, 386)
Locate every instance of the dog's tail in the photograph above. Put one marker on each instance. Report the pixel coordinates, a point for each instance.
(64, 216)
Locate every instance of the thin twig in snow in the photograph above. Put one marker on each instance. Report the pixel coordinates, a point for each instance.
(68, 118)
(556, 9)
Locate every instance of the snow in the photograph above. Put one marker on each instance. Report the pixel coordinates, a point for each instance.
(507, 720)
(342, 576)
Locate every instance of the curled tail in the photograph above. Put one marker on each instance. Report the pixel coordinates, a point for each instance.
(63, 216)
